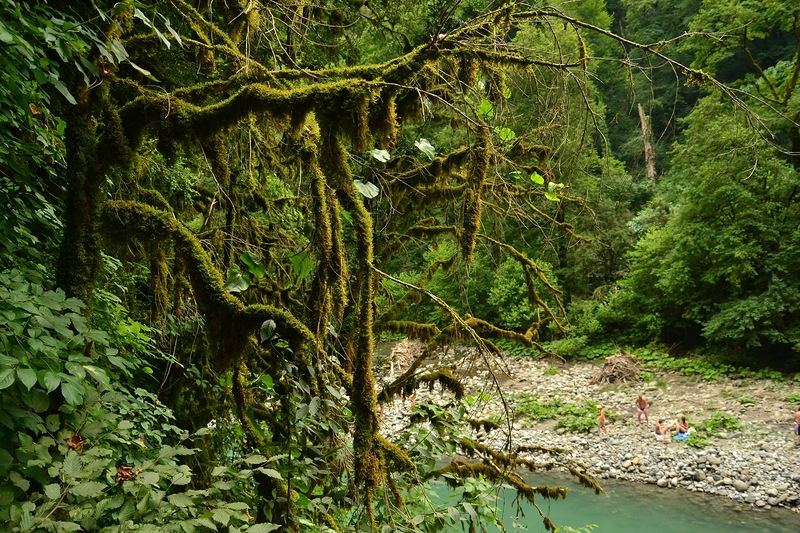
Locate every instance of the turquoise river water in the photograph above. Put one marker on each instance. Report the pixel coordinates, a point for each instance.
(640, 508)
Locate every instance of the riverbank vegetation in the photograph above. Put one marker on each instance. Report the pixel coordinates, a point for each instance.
(215, 209)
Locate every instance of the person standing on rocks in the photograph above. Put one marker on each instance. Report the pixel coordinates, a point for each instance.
(642, 408)
(601, 421)
(797, 425)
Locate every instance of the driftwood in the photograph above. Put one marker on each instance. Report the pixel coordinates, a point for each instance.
(618, 368)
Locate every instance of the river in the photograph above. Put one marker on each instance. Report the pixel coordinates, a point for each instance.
(640, 508)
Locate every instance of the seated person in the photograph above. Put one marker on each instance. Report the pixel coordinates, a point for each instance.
(683, 429)
(662, 430)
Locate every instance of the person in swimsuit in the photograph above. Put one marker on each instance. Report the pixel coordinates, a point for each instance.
(642, 408)
(683, 429)
(662, 431)
(601, 421)
(797, 425)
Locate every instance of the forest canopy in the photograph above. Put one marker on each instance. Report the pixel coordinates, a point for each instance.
(217, 209)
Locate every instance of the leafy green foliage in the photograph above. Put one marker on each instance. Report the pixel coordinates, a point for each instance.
(718, 422)
(508, 297)
(82, 452)
(573, 418)
(722, 267)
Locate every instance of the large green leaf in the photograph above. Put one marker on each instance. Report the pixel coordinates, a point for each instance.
(73, 393)
(6, 378)
(72, 465)
(88, 489)
(254, 264)
(237, 282)
(302, 264)
(267, 330)
(51, 381)
(53, 491)
(262, 528)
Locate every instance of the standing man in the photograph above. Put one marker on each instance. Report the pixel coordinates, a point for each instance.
(642, 407)
(797, 424)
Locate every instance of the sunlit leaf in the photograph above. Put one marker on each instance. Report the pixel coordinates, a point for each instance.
(552, 197)
(144, 71)
(367, 189)
(424, 146)
(537, 178)
(53, 491)
(381, 155)
(237, 282)
(505, 134)
(485, 109)
(262, 528)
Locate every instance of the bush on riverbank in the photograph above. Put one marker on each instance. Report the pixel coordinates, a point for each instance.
(572, 417)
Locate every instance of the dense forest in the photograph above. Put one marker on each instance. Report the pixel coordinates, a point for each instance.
(216, 209)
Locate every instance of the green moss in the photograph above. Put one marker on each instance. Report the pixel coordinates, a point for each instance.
(471, 203)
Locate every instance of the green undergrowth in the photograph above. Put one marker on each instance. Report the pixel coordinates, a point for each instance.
(706, 369)
(514, 349)
(575, 418)
(655, 359)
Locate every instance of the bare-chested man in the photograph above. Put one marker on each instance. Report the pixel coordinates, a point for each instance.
(642, 408)
(797, 424)
(663, 432)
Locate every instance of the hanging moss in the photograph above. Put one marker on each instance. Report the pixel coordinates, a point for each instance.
(158, 286)
(394, 457)
(230, 324)
(471, 204)
(383, 124)
(486, 425)
(113, 146)
(412, 330)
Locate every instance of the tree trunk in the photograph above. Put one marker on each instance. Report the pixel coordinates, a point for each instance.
(649, 157)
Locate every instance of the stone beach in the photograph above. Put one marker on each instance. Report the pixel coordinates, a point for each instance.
(756, 466)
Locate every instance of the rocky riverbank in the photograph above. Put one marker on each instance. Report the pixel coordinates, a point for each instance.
(755, 466)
